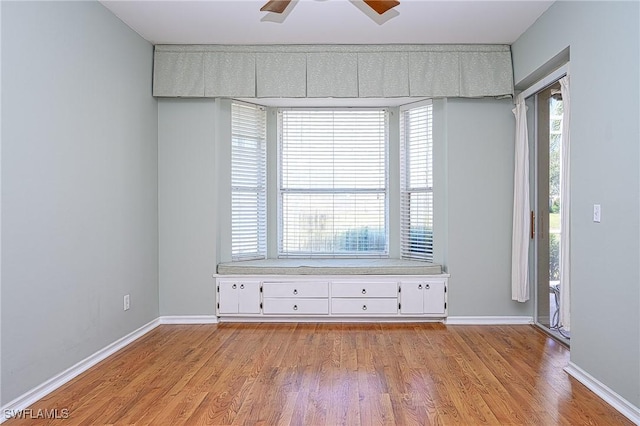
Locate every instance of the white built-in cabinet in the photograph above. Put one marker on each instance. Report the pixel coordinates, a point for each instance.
(424, 297)
(321, 297)
(238, 296)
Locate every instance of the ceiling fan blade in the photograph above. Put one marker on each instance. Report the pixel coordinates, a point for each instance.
(275, 6)
(381, 6)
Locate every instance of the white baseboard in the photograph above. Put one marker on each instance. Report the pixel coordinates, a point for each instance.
(326, 319)
(504, 320)
(623, 406)
(188, 319)
(487, 320)
(42, 390)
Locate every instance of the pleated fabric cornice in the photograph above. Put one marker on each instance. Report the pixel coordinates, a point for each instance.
(339, 71)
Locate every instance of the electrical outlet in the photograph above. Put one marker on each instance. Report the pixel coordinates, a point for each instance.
(126, 302)
(596, 213)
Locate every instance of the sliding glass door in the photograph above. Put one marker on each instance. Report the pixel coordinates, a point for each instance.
(548, 204)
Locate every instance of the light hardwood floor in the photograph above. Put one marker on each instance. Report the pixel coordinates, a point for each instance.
(332, 374)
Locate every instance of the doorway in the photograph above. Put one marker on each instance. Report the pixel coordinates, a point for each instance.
(547, 207)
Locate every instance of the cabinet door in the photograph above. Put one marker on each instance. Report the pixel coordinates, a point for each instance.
(434, 297)
(249, 297)
(412, 297)
(228, 297)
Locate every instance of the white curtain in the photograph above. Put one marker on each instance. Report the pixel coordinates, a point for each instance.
(565, 209)
(521, 210)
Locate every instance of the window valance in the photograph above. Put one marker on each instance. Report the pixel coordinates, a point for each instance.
(340, 71)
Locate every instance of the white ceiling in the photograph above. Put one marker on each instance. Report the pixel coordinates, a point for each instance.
(328, 21)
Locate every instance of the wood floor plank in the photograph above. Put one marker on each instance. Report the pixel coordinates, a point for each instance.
(515, 381)
(407, 409)
(488, 387)
(344, 408)
(331, 374)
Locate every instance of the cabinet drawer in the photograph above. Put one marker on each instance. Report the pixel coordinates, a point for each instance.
(293, 306)
(296, 289)
(364, 289)
(364, 306)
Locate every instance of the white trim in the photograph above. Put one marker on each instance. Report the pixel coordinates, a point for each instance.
(42, 390)
(623, 406)
(415, 104)
(503, 320)
(329, 319)
(188, 319)
(544, 82)
(1, 133)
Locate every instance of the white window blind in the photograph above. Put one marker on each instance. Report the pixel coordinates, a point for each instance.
(416, 182)
(248, 182)
(332, 183)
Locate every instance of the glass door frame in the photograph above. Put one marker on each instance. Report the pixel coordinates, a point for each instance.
(531, 98)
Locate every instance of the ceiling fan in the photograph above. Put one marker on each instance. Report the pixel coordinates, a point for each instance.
(379, 6)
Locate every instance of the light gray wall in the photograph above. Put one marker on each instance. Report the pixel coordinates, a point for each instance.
(79, 187)
(604, 41)
(473, 151)
(188, 207)
(480, 161)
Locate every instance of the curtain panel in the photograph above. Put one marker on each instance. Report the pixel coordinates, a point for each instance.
(521, 208)
(340, 71)
(565, 208)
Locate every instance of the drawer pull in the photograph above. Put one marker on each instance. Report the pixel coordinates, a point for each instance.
(364, 307)
(427, 286)
(364, 291)
(419, 286)
(295, 307)
(241, 286)
(234, 286)
(295, 291)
